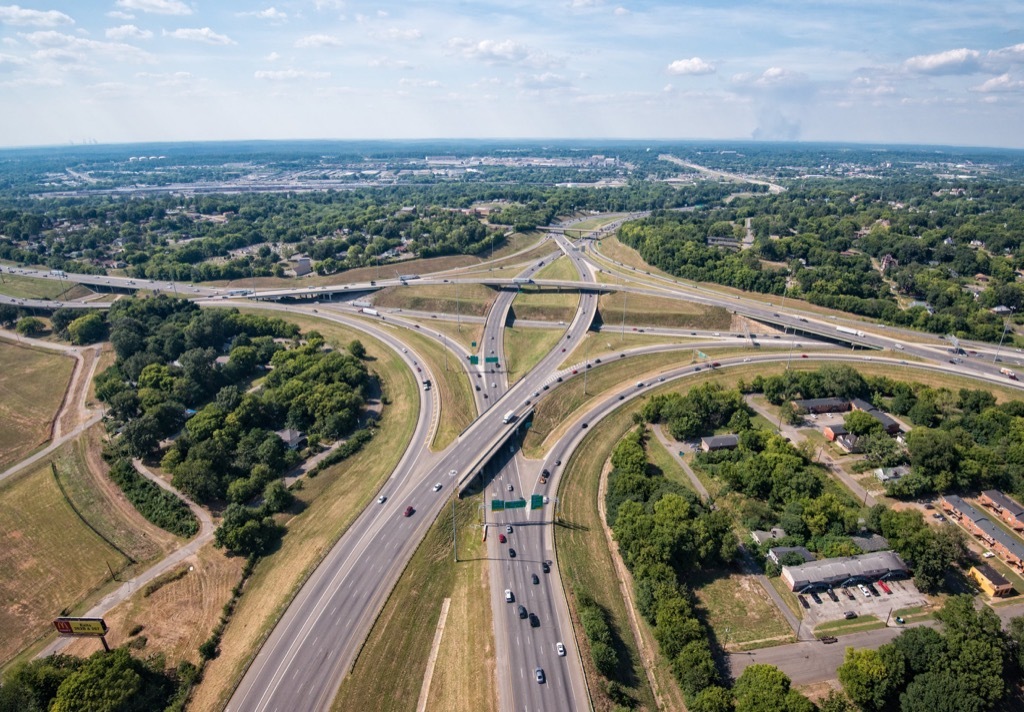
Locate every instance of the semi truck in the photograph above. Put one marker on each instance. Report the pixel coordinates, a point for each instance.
(371, 312)
(509, 417)
(848, 330)
(522, 280)
(1008, 373)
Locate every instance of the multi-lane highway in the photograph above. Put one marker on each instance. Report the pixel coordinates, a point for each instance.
(315, 643)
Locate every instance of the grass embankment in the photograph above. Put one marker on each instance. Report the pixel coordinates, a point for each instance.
(515, 263)
(466, 299)
(33, 288)
(32, 382)
(458, 408)
(610, 343)
(332, 501)
(646, 310)
(525, 347)
(51, 560)
(586, 564)
(545, 304)
(463, 332)
(561, 269)
(403, 634)
(659, 457)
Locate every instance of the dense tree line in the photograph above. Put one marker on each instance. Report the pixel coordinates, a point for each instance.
(665, 534)
(159, 506)
(700, 411)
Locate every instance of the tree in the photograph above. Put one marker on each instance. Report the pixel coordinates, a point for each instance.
(712, 699)
(694, 668)
(277, 497)
(112, 682)
(860, 423)
(8, 314)
(356, 348)
(1016, 637)
(30, 326)
(761, 688)
(87, 329)
(867, 679)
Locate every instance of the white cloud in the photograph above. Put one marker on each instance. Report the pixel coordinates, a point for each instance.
(273, 57)
(60, 47)
(200, 34)
(128, 32)
(166, 79)
(9, 62)
(15, 15)
(426, 83)
(584, 3)
(953, 61)
(158, 7)
(313, 41)
(271, 13)
(388, 63)
(396, 34)
(500, 52)
(621, 11)
(1002, 83)
(692, 66)
(120, 15)
(289, 74)
(47, 82)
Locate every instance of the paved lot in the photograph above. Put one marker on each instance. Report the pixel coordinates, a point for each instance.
(904, 595)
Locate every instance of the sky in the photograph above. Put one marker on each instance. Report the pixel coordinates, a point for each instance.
(871, 71)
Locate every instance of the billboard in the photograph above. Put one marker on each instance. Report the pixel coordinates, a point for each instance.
(80, 626)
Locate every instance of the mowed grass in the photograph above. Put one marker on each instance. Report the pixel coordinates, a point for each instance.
(402, 635)
(738, 610)
(332, 501)
(525, 347)
(466, 299)
(647, 310)
(179, 616)
(32, 382)
(463, 332)
(585, 562)
(561, 269)
(458, 409)
(661, 458)
(50, 561)
(613, 249)
(545, 304)
(611, 342)
(31, 288)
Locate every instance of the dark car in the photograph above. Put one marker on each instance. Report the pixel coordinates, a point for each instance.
(874, 591)
(477, 385)
(546, 473)
(512, 553)
(815, 597)
(559, 379)
(408, 511)
(850, 615)
(829, 639)
(583, 425)
(535, 577)
(803, 601)
(545, 567)
(522, 611)
(558, 463)
(534, 621)
(539, 674)
(832, 595)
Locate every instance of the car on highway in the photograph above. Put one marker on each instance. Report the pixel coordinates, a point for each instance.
(536, 394)
(510, 488)
(535, 578)
(803, 355)
(382, 499)
(575, 371)
(408, 511)
(437, 487)
(559, 379)
(546, 386)
(511, 553)
(508, 595)
(539, 674)
(502, 539)
(534, 621)
(521, 610)
(508, 528)
(583, 425)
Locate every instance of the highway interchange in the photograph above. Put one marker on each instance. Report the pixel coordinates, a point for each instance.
(316, 642)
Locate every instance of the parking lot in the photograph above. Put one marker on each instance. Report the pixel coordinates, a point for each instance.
(904, 595)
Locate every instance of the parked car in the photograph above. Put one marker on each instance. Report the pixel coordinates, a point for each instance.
(803, 601)
(815, 597)
(829, 639)
(864, 590)
(850, 615)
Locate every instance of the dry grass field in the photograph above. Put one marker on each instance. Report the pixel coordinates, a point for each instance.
(31, 288)
(32, 382)
(646, 310)
(465, 299)
(545, 304)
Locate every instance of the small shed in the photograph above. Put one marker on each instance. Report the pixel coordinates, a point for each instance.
(719, 442)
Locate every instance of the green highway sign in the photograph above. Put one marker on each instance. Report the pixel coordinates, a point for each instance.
(473, 344)
(536, 501)
(474, 360)
(515, 504)
(497, 505)
(490, 359)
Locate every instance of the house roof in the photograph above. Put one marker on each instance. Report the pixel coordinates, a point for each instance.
(861, 404)
(1004, 502)
(871, 542)
(877, 563)
(993, 576)
(780, 551)
(721, 441)
(837, 429)
(761, 536)
(996, 533)
(812, 403)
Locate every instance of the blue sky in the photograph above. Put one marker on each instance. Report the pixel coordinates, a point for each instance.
(905, 71)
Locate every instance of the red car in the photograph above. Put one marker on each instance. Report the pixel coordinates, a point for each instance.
(803, 355)
(715, 364)
(574, 371)
(501, 538)
(408, 511)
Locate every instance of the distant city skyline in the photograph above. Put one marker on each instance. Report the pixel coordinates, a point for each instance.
(117, 71)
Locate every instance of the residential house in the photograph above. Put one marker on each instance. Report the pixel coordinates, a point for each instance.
(776, 553)
(1008, 509)
(760, 537)
(719, 442)
(990, 581)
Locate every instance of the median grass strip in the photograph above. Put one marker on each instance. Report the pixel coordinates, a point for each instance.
(585, 562)
(331, 502)
(647, 310)
(458, 408)
(465, 299)
(33, 382)
(463, 332)
(545, 304)
(401, 637)
(611, 342)
(525, 347)
(845, 627)
(561, 269)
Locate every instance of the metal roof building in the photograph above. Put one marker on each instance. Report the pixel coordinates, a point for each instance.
(846, 569)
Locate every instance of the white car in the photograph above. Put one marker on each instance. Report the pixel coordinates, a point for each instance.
(508, 595)
(560, 649)
(864, 590)
(452, 473)
(510, 488)
(382, 499)
(437, 487)
(988, 554)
